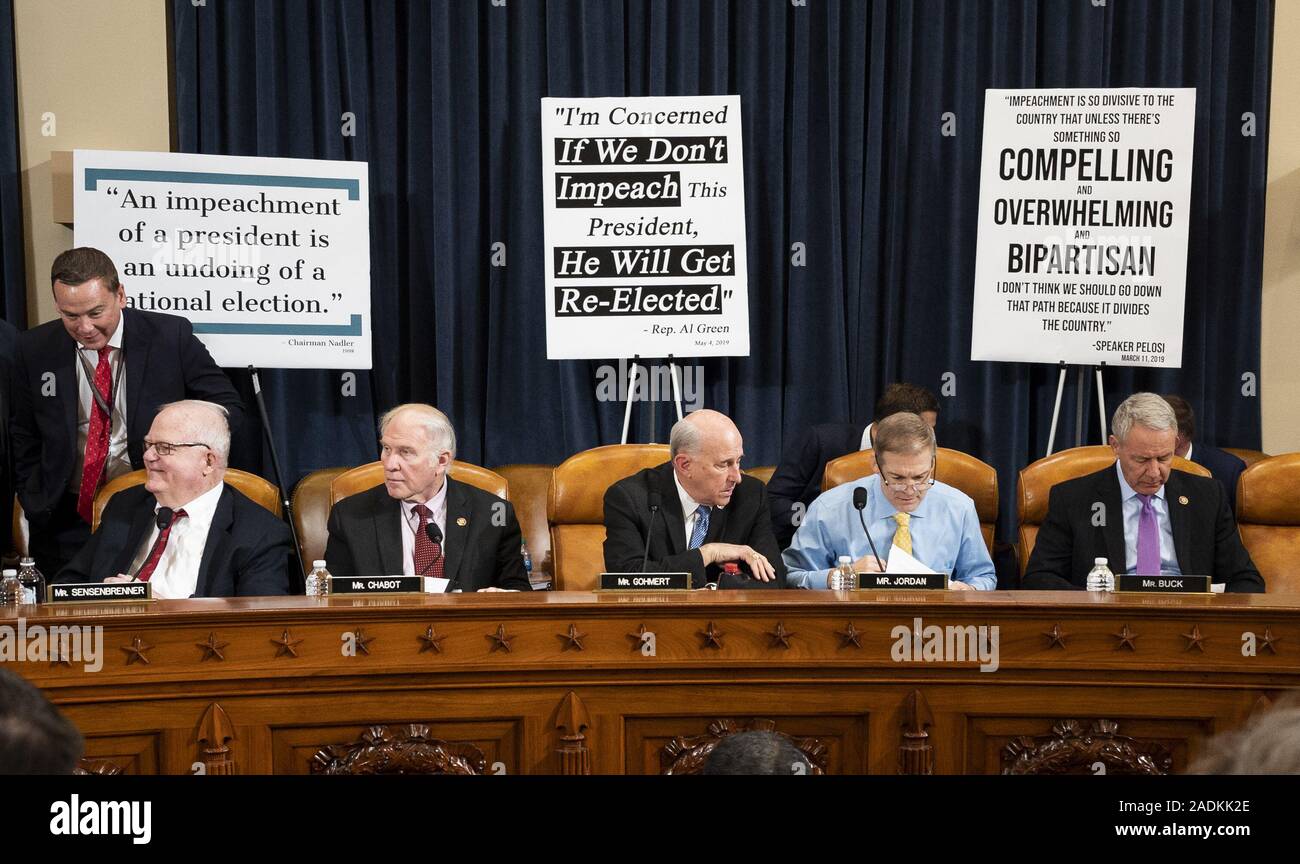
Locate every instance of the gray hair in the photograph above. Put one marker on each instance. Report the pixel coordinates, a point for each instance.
(209, 423)
(1270, 744)
(903, 433)
(436, 425)
(685, 437)
(1143, 409)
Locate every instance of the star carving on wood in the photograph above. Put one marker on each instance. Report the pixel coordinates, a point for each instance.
(59, 653)
(573, 639)
(1056, 637)
(431, 641)
(363, 641)
(1269, 641)
(850, 636)
(500, 641)
(638, 638)
(288, 645)
(712, 637)
(780, 636)
(135, 651)
(1194, 639)
(212, 648)
(1127, 638)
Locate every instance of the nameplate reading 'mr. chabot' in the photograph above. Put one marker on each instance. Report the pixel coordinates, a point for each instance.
(387, 585)
(97, 592)
(1164, 584)
(645, 581)
(911, 581)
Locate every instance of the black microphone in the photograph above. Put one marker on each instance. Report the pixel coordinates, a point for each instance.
(162, 519)
(860, 503)
(435, 535)
(655, 500)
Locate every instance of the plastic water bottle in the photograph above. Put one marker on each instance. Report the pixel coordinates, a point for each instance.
(11, 590)
(1099, 577)
(842, 578)
(318, 581)
(32, 580)
(528, 561)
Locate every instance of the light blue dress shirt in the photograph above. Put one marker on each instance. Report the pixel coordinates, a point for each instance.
(1133, 513)
(945, 535)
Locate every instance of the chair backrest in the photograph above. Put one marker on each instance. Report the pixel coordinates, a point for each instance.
(22, 535)
(1038, 478)
(529, 487)
(311, 513)
(762, 472)
(1268, 514)
(960, 470)
(576, 507)
(1250, 457)
(371, 474)
(257, 489)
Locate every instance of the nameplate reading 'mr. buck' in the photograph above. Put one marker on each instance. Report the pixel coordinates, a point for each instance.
(1163, 584)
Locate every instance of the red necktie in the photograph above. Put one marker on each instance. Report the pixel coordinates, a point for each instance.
(159, 548)
(428, 555)
(97, 437)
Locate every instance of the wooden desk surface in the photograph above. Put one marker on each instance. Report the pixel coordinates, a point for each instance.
(551, 682)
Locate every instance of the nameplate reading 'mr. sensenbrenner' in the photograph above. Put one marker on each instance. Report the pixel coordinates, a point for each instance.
(1163, 584)
(910, 581)
(97, 592)
(386, 585)
(645, 581)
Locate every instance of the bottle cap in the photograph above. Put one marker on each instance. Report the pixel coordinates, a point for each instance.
(846, 559)
(318, 564)
(731, 567)
(8, 572)
(1098, 560)
(26, 561)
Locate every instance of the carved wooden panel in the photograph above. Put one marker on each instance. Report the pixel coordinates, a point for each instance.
(294, 748)
(1081, 745)
(687, 755)
(398, 750)
(130, 754)
(834, 744)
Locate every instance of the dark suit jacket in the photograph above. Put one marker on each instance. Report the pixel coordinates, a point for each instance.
(165, 362)
(798, 478)
(746, 520)
(247, 553)
(1205, 534)
(1225, 468)
(365, 538)
(8, 345)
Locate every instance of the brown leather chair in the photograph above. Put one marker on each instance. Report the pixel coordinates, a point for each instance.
(258, 490)
(1250, 457)
(576, 507)
(1038, 478)
(21, 531)
(371, 474)
(529, 487)
(311, 514)
(1268, 514)
(977, 479)
(762, 472)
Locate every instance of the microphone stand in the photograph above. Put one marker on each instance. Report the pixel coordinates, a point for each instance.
(275, 467)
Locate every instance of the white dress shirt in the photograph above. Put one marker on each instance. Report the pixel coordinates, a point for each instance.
(866, 437)
(177, 575)
(411, 524)
(119, 461)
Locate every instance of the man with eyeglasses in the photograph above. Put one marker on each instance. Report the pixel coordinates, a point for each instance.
(906, 509)
(185, 530)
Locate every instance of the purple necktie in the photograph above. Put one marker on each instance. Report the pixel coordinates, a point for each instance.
(1148, 552)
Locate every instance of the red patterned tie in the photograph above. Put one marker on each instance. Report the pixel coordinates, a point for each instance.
(159, 548)
(97, 437)
(428, 555)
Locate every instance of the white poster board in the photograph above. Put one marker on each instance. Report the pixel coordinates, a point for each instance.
(644, 208)
(1083, 218)
(269, 258)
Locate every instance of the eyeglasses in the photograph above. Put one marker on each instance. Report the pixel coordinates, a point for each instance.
(167, 448)
(903, 487)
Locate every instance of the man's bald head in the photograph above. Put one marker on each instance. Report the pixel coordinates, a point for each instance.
(706, 449)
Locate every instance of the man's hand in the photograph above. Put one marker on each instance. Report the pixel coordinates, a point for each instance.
(719, 553)
(867, 564)
(120, 577)
(954, 585)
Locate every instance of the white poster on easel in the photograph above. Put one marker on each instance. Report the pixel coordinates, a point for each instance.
(644, 212)
(268, 258)
(1083, 220)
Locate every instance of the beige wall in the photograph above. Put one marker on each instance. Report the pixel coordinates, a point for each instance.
(100, 68)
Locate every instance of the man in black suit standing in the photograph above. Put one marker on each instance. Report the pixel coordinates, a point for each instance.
(698, 509)
(421, 522)
(85, 390)
(1223, 466)
(798, 478)
(186, 531)
(1139, 514)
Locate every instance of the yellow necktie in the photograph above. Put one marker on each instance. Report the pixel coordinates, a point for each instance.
(903, 536)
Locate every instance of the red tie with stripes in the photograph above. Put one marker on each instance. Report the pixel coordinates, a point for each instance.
(97, 437)
(159, 548)
(428, 555)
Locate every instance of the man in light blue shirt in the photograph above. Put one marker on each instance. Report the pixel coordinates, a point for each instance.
(906, 507)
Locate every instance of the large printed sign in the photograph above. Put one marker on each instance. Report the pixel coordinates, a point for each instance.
(1084, 208)
(269, 258)
(645, 227)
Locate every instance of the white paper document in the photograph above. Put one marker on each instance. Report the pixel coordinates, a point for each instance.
(903, 562)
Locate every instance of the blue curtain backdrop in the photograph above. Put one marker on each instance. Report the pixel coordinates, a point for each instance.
(843, 106)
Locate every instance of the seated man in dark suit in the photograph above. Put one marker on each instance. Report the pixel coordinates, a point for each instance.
(421, 522)
(185, 531)
(1139, 514)
(712, 513)
(798, 478)
(1223, 466)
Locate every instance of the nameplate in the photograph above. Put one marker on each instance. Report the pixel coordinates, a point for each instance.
(645, 581)
(1163, 584)
(387, 585)
(98, 592)
(910, 581)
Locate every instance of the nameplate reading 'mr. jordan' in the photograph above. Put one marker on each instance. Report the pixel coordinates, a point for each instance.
(386, 585)
(645, 581)
(1164, 584)
(97, 592)
(911, 581)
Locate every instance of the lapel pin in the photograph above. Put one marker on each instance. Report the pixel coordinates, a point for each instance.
(462, 521)
(1182, 499)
